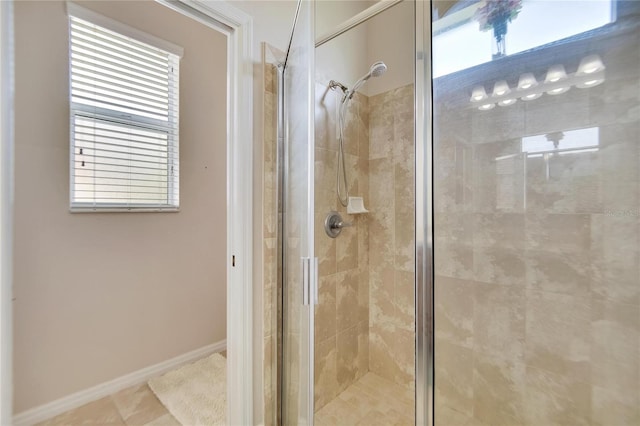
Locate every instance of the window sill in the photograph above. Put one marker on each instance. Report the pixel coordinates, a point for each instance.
(124, 209)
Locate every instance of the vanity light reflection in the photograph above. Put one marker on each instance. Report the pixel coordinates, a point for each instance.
(590, 73)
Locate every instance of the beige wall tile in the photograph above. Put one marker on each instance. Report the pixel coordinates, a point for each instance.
(270, 371)
(347, 357)
(557, 338)
(347, 246)
(558, 272)
(499, 230)
(325, 370)
(381, 137)
(325, 311)
(454, 260)
(553, 399)
(363, 348)
(558, 233)
(498, 390)
(573, 185)
(454, 227)
(499, 266)
(454, 387)
(381, 297)
(347, 312)
(454, 310)
(363, 294)
(499, 321)
(363, 125)
(615, 349)
(404, 301)
(616, 256)
(608, 408)
(404, 216)
(325, 247)
(386, 356)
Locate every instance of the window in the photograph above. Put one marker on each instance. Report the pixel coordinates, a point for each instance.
(562, 143)
(124, 117)
(459, 44)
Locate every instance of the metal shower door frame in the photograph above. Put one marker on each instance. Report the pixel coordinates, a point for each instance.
(424, 227)
(424, 253)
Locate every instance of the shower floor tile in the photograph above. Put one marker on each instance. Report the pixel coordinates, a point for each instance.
(370, 401)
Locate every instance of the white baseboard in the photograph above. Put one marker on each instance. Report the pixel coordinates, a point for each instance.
(59, 406)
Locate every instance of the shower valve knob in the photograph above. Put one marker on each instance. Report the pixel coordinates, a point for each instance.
(333, 224)
(343, 224)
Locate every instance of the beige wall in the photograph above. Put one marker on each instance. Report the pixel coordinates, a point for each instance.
(387, 37)
(390, 38)
(101, 295)
(344, 58)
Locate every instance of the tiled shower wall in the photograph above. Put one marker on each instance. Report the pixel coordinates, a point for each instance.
(269, 240)
(365, 318)
(537, 260)
(391, 235)
(342, 315)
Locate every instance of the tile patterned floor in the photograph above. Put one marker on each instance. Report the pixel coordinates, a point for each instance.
(370, 401)
(134, 406)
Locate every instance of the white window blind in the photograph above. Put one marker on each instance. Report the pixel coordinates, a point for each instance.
(124, 121)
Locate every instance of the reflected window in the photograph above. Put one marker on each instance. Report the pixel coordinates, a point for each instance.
(567, 142)
(459, 44)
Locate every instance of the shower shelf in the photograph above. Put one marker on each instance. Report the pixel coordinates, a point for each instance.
(356, 206)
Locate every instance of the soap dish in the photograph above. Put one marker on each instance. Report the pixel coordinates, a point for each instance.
(356, 206)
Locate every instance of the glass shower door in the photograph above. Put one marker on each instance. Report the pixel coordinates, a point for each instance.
(537, 213)
(297, 218)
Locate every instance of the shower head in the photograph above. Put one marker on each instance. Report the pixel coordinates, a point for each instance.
(376, 70)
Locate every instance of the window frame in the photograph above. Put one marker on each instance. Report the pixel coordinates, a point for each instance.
(101, 114)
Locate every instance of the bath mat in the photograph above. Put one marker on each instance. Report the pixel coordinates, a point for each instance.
(196, 394)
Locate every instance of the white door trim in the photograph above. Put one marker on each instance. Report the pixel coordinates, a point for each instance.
(238, 26)
(6, 210)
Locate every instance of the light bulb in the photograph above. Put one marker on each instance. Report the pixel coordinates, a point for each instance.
(555, 73)
(531, 96)
(507, 102)
(500, 88)
(478, 94)
(590, 64)
(527, 81)
(590, 83)
(486, 107)
(559, 90)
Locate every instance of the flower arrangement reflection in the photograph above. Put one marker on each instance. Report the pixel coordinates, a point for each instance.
(496, 14)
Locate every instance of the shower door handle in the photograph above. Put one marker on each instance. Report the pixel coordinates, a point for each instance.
(309, 281)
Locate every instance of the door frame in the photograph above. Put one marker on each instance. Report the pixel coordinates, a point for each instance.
(238, 27)
(6, 210)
